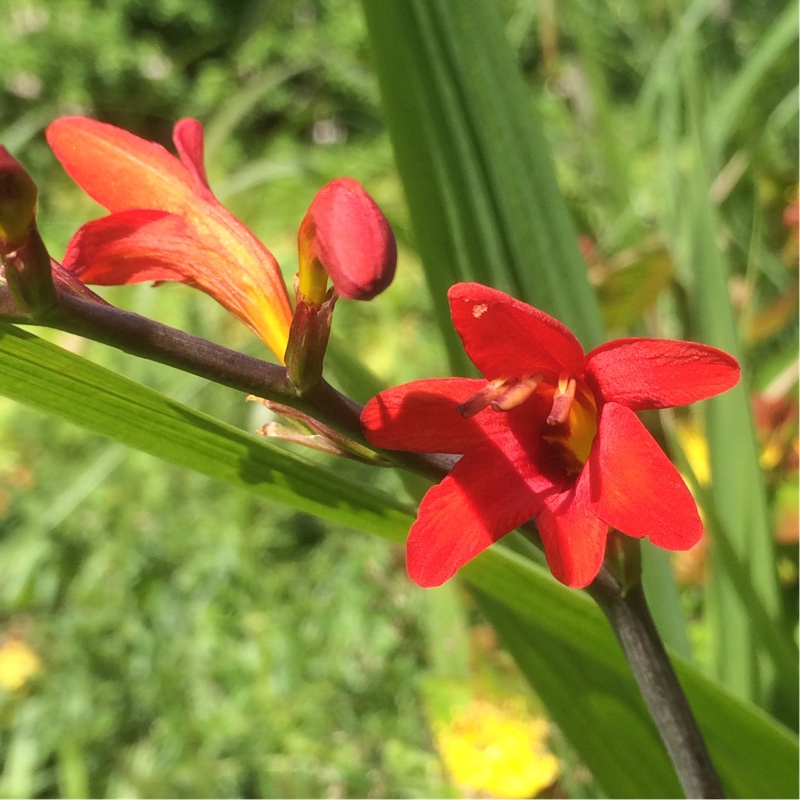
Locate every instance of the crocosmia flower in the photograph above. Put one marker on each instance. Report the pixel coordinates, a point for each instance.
(549, 433)
(165, 223)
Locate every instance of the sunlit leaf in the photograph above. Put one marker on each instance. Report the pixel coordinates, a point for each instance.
(474, 163)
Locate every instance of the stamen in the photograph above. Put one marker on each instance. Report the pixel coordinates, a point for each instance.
(517, 393)
(562, 400)
(484, 398)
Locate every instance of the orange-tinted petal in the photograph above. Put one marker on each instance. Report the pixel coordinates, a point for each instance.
(659, 373)
(505, 337)
(574, 539)
(136, 246)
(119, 170)
(480, 501)
(632, 485)
(188, 138)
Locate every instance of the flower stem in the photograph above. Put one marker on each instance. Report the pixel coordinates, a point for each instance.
(630, 618)
(155, 341)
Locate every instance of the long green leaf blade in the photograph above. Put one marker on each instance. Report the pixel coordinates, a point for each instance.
(561, 641)
(46, 377)
(474, 163)
(738, 494)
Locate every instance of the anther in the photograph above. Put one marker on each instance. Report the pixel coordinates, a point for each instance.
(517, 393)
(484, 398)
(562, 400)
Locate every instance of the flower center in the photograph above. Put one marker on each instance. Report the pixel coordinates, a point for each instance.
(571, 424)
(573, 418)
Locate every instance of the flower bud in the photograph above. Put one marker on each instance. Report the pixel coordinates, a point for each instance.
(23, 256)
(18, 195)
(346, 235)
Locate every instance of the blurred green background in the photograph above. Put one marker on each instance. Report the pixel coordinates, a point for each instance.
(190, 640)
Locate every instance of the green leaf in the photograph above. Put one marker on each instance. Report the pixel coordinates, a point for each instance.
(741, 661)
(46, 377)
(474, 162)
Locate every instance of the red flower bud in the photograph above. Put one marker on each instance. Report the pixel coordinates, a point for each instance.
(348, 235)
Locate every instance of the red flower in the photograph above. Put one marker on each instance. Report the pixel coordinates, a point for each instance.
(166, 224)
(566, 446)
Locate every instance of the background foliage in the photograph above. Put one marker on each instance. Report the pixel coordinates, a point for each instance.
(195, 640)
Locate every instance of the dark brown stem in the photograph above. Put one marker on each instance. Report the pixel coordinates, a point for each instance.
(146, 338)
(634, 627)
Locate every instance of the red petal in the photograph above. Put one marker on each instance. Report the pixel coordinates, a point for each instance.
(633, 486)
(119, 170)
(480, 501)
(505, 337)
(188, 138)
(136, 246)
(421, 417)
(659, 373)
(574, 539)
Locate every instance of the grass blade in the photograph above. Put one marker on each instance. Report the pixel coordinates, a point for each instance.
(740, 660)
(474, 162)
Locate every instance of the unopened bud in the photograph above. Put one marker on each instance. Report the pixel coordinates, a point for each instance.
(345, 235)
(18, 195)
(25, 260)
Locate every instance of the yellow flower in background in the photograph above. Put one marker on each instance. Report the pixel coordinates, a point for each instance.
(695, 446)
(498, 751)
(18, 664)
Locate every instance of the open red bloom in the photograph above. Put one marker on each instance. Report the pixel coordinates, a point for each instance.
(166, 224)
(549, 433)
